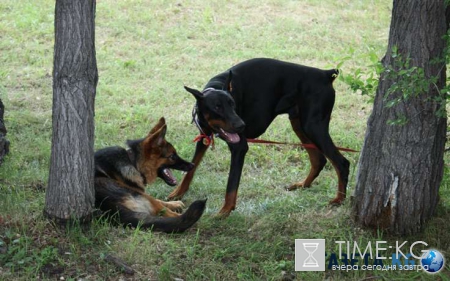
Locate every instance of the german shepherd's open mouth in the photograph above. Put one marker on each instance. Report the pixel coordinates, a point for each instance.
(165, 171)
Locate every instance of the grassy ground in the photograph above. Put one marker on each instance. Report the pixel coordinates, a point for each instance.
(146, 51)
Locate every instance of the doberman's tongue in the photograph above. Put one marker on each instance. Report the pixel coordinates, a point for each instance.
(168, 177)
(229, 137)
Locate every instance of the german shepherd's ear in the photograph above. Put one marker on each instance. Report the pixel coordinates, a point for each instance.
(197, 94)
(332, 74)
(158, 126)
(227, 86)
(155, 139)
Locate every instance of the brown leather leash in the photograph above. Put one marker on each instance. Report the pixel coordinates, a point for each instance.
(304, 145)
(209, 140)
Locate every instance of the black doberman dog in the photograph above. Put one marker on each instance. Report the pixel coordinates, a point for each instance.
(243, 101)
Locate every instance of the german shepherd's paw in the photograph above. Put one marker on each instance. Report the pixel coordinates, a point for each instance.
(176, 206)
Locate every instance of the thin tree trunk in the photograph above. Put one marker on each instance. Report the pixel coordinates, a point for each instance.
(4, 143)
(70, 192)
(401, 166)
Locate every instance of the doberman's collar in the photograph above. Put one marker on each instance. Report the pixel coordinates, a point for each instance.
(207, 139)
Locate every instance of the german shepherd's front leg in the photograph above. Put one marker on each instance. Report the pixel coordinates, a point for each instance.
(176, 206)
(181, 189)
(159, 208)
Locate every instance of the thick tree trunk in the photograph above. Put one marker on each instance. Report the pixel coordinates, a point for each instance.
(4, 143)
(401, 166)
(70, 192)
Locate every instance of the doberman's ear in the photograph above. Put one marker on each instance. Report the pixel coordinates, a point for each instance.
(227, 86)
(158, 126)
(197, 94)
(332, 74)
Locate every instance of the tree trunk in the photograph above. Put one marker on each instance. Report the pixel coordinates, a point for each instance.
(401, 166)
(4, 143)
(70, 193)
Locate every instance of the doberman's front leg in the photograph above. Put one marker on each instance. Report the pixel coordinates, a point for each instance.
(183, 187)
(238, 152)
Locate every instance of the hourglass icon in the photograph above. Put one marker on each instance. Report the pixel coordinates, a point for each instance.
(310, 260)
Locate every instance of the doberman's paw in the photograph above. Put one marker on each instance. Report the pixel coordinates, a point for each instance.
(337, 201)
(221, 216)
(224, 212)
(174, 196)
(296, 185)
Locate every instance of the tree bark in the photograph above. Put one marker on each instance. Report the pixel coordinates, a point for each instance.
(401, 167)
(70, 193)
(4, 143)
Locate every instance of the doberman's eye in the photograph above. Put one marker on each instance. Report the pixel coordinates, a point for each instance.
(218, 107)
(173, 157)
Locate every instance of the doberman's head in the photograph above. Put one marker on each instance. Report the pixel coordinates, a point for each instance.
(216, 111)
(155, 156)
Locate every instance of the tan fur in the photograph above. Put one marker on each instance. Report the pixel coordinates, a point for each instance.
(121, 176)
(139, 204)
(159, 207)
(132, 174)
(155, 152)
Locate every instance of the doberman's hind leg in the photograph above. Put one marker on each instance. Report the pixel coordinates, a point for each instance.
(316, 157)
(318, 133)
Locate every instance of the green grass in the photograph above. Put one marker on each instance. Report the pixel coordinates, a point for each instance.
(146, 51)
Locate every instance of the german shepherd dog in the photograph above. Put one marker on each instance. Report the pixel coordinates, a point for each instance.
(121, 176)
(243, 101)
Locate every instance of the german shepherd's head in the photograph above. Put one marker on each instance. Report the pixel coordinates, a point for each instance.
(155, 156)
(216, 111)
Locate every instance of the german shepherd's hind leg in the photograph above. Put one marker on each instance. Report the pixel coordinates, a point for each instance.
(316, 157)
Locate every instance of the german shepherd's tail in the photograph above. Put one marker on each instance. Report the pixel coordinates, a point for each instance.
(165, 224)
(131, 207)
